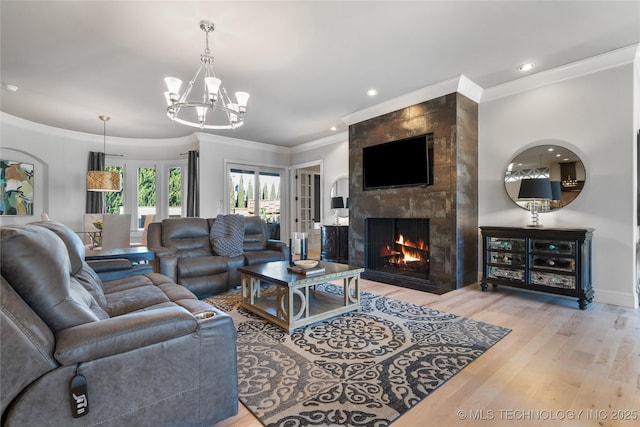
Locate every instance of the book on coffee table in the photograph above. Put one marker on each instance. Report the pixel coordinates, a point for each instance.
(306, 271)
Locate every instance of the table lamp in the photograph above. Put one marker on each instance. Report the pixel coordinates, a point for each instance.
(337, 203)
(535, 189)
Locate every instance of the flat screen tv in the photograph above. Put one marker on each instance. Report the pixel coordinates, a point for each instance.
(401, 163)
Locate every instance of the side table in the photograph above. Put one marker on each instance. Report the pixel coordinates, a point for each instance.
(135, 254)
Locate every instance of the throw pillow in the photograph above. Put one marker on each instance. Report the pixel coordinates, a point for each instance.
(227, 235)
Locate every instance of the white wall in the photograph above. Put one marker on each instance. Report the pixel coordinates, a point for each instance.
(216, 151)
(59, 186)
(61, 158)
(60, 162)
(334, 154)
(592, 115)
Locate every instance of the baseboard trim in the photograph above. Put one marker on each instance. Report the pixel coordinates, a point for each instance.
(624, 299)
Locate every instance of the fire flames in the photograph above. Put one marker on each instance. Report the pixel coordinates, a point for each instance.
(410, 252)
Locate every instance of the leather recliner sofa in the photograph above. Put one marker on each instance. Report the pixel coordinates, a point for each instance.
(185, 251)
(151, 353)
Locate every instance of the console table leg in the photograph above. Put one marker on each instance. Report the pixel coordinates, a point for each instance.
(582, 303)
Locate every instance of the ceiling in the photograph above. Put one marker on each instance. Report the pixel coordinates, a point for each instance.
(306, 64)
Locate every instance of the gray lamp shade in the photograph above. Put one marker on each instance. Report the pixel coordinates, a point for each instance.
(539, 188)
(556, 190)
(337, 203)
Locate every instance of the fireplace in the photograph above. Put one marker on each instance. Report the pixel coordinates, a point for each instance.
(450, 203)
(397, 250)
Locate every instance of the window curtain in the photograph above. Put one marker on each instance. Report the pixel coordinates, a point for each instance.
(94, 198)
(193, 192)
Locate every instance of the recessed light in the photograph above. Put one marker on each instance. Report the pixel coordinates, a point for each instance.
(10, 87)
(372, 92)
(526, 67)
(333, 128)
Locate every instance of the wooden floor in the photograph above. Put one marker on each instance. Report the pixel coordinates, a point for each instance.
(560, 366)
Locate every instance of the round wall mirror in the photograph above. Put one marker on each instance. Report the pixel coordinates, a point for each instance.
(340, 189)
(562, 167)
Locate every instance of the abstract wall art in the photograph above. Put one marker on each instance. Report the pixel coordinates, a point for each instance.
(16, 188)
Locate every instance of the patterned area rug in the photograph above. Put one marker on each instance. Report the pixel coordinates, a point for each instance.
(363, 368)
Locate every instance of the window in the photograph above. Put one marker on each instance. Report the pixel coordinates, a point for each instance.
(146, 193)
(175, 192)
(148, 188)
(255, 190)
(114, 201)
(242, 195)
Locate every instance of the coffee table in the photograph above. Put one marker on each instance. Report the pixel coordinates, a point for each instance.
(296, 301)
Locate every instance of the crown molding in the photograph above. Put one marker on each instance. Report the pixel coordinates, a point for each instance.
(241, 143)
(20, 123)
(459, 84)
(471, 90)
(30, 126)
(594, 64)
(321, 142)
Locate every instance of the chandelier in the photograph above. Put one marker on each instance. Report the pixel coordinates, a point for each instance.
(569, 182)
(101, 180)
(214, 109)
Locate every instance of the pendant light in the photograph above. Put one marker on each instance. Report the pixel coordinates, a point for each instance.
(100, 180)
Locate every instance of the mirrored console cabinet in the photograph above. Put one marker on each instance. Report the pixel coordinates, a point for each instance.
(551, 260)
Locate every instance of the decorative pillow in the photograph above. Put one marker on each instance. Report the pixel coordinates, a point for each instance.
(227, 235)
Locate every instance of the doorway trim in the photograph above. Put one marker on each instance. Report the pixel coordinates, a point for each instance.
(293, 171)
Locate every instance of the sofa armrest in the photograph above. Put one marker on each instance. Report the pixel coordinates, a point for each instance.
(160, 251)
(103, 338)
(166, 261)
(277, 245)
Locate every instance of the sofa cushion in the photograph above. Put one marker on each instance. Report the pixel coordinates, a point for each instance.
(27, 345)
(201, 266)
(134, 299)
(227, 235)
(260, 257)
(92, 283)
(79, 293)
(79, 268)
(36, 263)
(255, 234)
(188, 237)
(75, 246)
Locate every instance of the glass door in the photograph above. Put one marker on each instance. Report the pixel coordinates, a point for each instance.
(256, 191)
(307, 208)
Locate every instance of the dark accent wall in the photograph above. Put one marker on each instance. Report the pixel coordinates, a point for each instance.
(451, 203)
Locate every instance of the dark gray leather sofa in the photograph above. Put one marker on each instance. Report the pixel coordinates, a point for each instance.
(148, 355)
(184, 252)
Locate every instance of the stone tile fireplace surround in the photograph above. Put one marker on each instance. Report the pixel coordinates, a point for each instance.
(450, 204)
